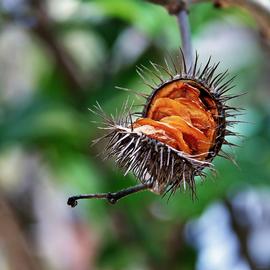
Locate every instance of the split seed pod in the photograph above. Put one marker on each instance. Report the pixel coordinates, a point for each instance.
(180, 130)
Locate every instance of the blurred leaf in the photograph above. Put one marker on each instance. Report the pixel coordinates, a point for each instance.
(38, 121)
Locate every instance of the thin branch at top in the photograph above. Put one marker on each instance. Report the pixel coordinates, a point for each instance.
(185, 32)
(259, 9)
(179, 9)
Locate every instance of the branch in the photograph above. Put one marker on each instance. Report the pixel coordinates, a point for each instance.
(110, 197)
(179, 9)
(43, 30)
(259, 9)
(185, 33)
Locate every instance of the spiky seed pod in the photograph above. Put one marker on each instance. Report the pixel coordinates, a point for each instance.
(180, 130)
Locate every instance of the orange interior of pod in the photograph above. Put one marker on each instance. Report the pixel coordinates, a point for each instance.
(180, 116)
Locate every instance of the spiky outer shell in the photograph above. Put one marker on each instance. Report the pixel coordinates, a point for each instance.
(153, 161)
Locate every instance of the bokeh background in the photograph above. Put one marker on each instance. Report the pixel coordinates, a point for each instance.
(57, 58)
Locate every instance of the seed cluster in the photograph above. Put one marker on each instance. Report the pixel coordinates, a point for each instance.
(181, 128)
(182, 117)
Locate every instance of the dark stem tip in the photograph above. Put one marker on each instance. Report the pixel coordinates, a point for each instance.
(72, 201)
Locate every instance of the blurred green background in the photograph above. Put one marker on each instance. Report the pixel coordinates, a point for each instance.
(57, 58)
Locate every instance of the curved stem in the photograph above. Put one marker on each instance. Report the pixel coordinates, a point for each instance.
(110, 197)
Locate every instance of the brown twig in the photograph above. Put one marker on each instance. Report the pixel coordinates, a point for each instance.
(43, 30)
(259, 9)
(179, 8)
(110, 197)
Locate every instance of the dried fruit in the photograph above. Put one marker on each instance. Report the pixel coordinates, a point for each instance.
(181, 129)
